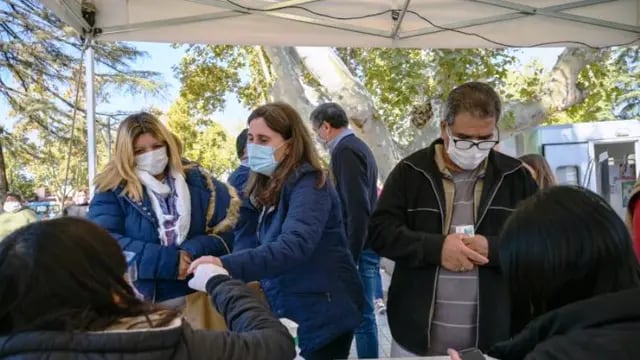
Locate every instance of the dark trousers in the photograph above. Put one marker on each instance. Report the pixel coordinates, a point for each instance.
(337, 349)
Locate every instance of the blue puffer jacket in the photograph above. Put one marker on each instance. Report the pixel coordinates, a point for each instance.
(302, 258)
(214, 212)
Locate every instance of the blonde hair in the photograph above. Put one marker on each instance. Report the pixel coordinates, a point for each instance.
(121, 168)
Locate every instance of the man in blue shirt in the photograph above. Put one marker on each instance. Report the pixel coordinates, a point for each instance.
(356, 174)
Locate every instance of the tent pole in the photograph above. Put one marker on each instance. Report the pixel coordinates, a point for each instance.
(90, 98)
(109, 137)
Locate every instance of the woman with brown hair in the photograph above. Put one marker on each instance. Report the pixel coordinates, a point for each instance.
(300, 253)
(539, 169)
(164, 210)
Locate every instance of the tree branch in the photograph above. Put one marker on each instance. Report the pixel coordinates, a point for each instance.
(327, 67)
(287, 86)
(558, 94)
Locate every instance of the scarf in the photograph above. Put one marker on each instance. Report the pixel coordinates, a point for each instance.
(158, 190)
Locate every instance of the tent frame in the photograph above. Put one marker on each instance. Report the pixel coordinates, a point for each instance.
(519, 11)
(71, 11)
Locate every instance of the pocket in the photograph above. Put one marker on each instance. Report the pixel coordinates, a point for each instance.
(422, 219)
(307, 308)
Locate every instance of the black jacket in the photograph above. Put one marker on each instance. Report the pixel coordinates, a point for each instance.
(356, 176)
(604, 327)
(407, 227)
(256, 335)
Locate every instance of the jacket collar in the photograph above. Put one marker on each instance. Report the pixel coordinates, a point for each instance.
(599, 311)
(300, 171)
(143, 206)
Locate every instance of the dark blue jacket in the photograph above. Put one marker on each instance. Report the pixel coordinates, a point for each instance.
(302, 260)
(135, 226)
(356, 176)
(238, 178)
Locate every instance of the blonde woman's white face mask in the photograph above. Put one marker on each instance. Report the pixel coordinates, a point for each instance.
(154, 162)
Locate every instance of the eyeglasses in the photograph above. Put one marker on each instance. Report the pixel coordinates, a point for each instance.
(463, 144)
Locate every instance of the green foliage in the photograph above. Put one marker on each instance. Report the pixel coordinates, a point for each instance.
(612, 86)
(204, 141)
(40, 59)
(209, 72)
(398, 79)
(525, 85)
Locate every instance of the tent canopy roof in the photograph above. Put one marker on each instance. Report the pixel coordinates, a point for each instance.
(364, 23)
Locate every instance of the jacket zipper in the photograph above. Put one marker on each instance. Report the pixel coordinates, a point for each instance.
(493, 195)
(435, 280)
(262, 214)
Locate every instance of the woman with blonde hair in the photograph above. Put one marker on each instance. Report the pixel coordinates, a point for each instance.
(164, 211)
(300, 253)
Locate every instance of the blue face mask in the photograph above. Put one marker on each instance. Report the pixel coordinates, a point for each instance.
(262, 158)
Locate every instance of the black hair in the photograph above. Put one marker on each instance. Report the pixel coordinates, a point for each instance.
(65, 274)
(332, 113)
(477, 98)
(563, 245)
(241, 143)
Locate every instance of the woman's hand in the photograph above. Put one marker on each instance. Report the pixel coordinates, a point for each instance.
(204, 260)
(183, 266)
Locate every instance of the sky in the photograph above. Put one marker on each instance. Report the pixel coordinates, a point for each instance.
(162, 58)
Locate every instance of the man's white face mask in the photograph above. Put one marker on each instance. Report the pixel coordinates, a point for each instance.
(468, 154)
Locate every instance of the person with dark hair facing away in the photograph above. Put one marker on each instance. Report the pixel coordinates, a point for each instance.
(356, 176)
(15, 215)
(290, 236)
(63, 295)
(239, 177)
(539, 169)
(568, 261)
(633, 216)
(439, 218)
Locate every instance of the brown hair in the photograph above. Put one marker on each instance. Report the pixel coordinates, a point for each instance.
(285, 120)
(477, 98)
(543, 174)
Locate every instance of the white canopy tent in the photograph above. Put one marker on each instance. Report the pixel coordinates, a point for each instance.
(363, 23)
(356, 23)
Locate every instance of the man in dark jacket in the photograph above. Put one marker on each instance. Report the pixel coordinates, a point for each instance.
(355, 173)
(239, 177)
(438, 218)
